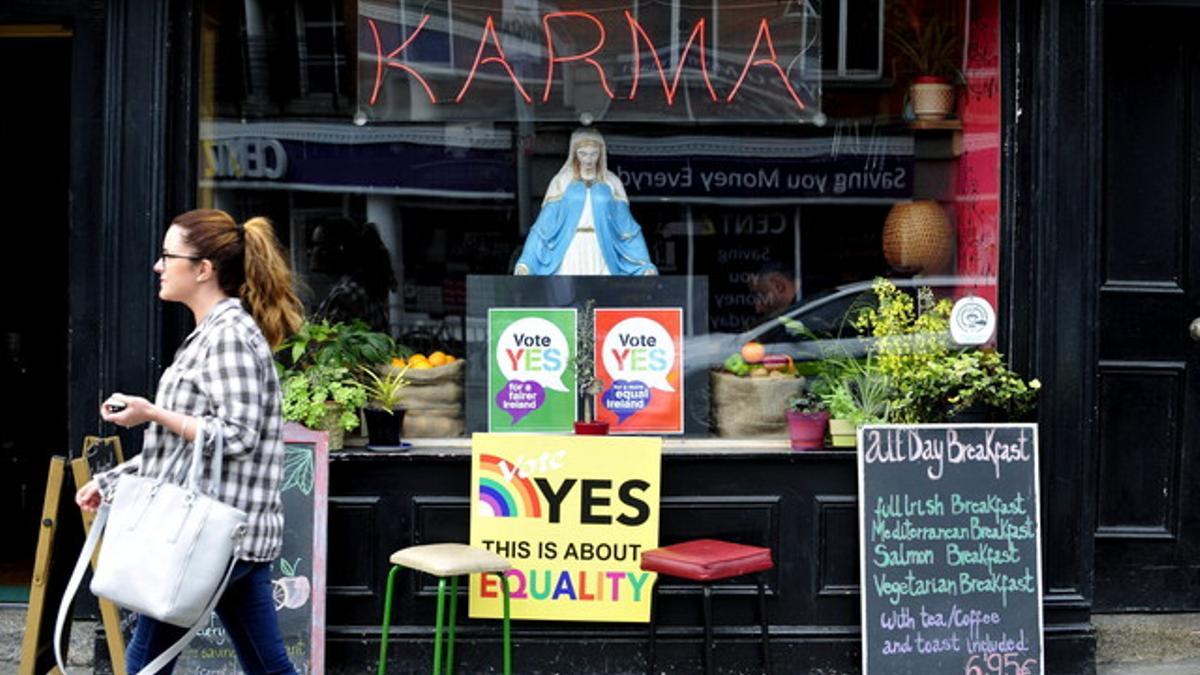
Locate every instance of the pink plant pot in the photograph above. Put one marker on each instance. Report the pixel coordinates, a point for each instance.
(807, 429)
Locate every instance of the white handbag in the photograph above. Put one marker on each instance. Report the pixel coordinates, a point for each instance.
(168, 552)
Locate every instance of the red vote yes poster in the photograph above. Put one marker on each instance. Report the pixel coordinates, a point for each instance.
(639, 358)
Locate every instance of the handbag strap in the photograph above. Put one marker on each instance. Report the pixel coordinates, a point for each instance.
(81, 565)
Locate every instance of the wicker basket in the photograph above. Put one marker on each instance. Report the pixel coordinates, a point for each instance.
(918, 238)
(434, 401)
(752, 407)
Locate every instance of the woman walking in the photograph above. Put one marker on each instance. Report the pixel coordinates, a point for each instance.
(237, 283)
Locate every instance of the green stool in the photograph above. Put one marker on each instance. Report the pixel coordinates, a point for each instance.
(445, 561)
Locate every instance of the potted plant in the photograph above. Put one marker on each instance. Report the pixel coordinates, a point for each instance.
(856, 393)
(384, 413)
(930, 39)
(931, 380)
(807, 418)
(347, 345)
(324, 398)
(590, 386)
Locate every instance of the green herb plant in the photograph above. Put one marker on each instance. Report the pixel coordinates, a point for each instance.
(305, 393)
(807, 402)
(384, 390)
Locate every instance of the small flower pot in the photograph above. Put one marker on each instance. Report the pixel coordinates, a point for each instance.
(932, 98)
(807, 429)
(383, 426)
(843, 433)
(594, 428)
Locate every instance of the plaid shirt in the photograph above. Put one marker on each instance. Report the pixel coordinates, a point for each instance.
(224, 375)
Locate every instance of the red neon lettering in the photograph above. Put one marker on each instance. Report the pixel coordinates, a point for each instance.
(489, 28)
(515, 358)
(586, 57)
(380, 60)
(764, 32)
(635, 29)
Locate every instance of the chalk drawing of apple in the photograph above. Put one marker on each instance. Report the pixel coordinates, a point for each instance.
(290, 591)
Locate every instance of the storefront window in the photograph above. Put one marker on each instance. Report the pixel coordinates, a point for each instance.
(777, 157)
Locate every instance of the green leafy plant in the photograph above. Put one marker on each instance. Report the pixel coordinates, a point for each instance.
(345, 345)
(306, 392)
(855, 390)
(807, 402)
(585, 362)
(383, 390)
(930, 380)
(929, 37)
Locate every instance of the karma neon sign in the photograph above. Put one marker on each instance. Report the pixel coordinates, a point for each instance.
(619, 57)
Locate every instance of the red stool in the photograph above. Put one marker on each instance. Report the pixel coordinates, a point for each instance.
(706, 561)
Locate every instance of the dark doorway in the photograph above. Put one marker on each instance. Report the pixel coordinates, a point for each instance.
(1148, 523)
(34, 132)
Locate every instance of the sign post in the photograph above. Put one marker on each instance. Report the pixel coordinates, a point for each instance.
(950, 549)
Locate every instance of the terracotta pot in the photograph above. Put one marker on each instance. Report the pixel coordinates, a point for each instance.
(931, 100)
(591, 428)
(807, 429)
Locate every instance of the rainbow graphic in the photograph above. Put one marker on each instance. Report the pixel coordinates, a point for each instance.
(504, 497)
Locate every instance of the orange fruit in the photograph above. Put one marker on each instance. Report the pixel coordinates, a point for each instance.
(419, 365)
(437, 359)
(398, 362)
(753, 352)
(451, 359)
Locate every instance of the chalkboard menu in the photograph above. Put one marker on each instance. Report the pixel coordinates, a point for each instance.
(951, 555)
(297, 577)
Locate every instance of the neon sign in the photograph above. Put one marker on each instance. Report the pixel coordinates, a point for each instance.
(609, 59)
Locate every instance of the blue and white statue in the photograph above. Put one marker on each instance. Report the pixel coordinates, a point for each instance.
(585, 226)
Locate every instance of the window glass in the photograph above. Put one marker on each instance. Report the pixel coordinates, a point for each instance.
(774, 157)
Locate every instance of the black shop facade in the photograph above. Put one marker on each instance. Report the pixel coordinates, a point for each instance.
(769, 156)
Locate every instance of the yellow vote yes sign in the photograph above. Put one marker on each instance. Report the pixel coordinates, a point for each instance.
(572, 514)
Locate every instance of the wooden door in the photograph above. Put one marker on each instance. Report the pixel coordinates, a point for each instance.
(1148, 493)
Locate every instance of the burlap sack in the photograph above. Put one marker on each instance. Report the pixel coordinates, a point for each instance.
(752, 407)
(434, 400)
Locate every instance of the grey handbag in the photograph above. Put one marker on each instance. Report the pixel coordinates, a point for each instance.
(168, 552)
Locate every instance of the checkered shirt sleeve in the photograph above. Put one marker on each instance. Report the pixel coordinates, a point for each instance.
(224, 375)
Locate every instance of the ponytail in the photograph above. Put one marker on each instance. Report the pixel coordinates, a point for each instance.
(269, 291)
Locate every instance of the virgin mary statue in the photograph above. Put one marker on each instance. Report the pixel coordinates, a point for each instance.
(585, 226)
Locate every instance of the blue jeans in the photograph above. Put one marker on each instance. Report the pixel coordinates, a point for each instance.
(247, 611)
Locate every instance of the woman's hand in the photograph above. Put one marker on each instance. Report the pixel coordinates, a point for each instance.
(126, 411)
(88, 498)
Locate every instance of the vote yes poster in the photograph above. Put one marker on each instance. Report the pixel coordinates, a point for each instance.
(531, 374)
(639, 358)
(572, 515)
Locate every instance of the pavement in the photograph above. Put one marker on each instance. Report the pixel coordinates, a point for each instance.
(1127, 644)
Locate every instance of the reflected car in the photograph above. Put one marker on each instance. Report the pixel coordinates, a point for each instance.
(818, 327)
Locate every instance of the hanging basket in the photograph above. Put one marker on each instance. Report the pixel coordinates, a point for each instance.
(918, 238)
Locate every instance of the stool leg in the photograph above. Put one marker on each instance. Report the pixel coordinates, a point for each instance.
(653, 637)
(387, 620)
(762, 616)
(453, 600)
(437, 630)
(507, 630)
(708, 632)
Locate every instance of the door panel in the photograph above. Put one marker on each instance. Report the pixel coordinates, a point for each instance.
(1147, 530)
